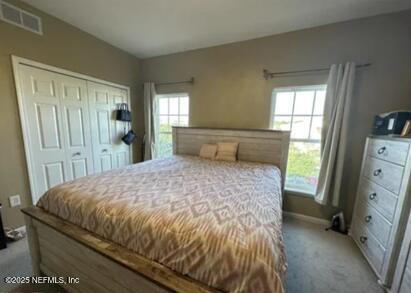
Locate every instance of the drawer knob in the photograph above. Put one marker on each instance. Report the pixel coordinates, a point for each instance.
(377, 172)
(363, 239)
(368, 218)
(372, 196)
(381, 150)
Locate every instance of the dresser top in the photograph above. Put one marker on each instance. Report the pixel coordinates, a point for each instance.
(392, 137)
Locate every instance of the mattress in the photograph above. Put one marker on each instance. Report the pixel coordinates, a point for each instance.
(219, 223)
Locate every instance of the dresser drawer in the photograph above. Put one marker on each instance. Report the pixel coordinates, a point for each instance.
(374, 251)
(391, 151)
(367, 216)
(386, 174)
(381, 199)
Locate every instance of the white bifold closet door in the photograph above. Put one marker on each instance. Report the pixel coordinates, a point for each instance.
(70, 126)
(109, 151)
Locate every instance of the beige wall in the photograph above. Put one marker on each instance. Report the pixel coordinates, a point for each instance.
(66, 47)
(230, 90)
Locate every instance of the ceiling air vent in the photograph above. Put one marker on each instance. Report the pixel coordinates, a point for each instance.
(20, 18)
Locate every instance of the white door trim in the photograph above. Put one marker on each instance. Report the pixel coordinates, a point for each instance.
(20, 60)
(16, 62)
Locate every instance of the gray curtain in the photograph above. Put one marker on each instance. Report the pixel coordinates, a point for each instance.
(335, 130)
(150, 110)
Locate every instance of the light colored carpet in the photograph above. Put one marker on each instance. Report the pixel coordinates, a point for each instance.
(324, 261)
(318, 262)
(14, 261)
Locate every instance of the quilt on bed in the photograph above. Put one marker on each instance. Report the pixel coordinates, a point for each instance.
(216, 222)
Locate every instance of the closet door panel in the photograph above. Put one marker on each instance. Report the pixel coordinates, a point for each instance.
(79, 168)
(53, 174)
(74, 100)
(121, 151)
(42, 108)
(75, 126)
(122, 158)
(106, 162)
(39, 83)
(73, 89)
(47, 123)
(102, 125)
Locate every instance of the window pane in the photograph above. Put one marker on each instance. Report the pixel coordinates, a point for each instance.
(304, 102)
(174, 106)
(183, 121)
(164, 126)
(173, 110)
(184, 106)
(301, 127)
(284, 103)
(164, 146)
(316, 127)
(173, 120)
(282, 123)
(303, 167)
(163, 106)
(306, 114)
(319, 103)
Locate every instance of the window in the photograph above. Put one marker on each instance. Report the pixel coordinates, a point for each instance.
(172, 110)
(300, 109)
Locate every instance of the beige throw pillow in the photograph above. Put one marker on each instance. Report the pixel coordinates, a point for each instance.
(208, 151)
(227, 151)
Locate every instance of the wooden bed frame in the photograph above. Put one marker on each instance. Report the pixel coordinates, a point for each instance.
(59, 248)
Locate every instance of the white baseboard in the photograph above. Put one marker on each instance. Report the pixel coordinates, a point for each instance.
(11, 233)
(21, 229)
(306, 218)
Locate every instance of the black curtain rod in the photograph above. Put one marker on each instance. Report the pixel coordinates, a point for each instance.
(268, 75)
(191, 81)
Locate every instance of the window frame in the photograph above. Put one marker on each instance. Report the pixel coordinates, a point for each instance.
(168, 97)
(295, 89)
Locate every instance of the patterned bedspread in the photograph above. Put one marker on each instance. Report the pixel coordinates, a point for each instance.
(216, 222)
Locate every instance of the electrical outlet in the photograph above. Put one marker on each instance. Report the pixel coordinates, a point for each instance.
(14, 200)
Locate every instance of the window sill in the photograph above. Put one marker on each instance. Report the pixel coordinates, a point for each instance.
(298, 193)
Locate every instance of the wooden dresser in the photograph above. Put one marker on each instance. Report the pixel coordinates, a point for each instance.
(383, 203)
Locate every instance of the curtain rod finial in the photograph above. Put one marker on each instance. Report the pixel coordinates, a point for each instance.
(267, 74)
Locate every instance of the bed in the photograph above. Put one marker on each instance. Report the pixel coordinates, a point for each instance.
(181, 224)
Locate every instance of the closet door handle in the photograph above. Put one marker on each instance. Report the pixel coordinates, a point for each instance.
(377, 172)
(363, 239)
(367, 218)
(381, 150)
(104, 150)
(372, 196)
(77, 154)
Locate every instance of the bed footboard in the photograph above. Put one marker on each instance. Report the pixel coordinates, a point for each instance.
(61, 249)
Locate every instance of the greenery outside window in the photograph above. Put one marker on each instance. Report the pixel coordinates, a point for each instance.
(172, 111)
(300, 109)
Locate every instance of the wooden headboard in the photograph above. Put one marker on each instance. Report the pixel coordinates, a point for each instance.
(256, 145)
